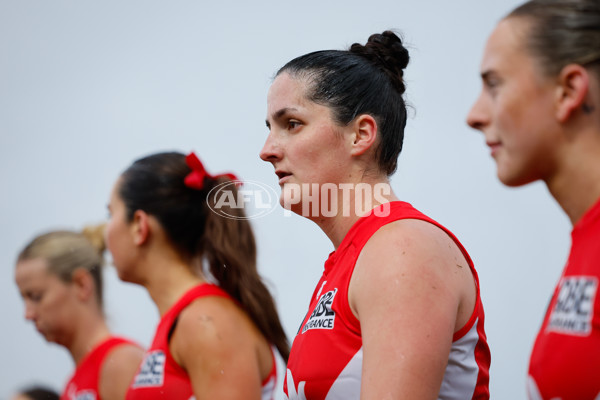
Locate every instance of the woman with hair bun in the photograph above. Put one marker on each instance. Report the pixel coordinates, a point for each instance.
(218, 321)
(59, 275)
(539, 110)
(397, 313)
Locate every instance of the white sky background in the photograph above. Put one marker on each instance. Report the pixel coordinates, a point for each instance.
(88, 87)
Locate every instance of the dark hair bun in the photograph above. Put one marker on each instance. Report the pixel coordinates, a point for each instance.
(388, 53)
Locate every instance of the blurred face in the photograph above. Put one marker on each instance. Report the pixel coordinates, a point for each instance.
(304, 144)
(515, 109)
(50, 303)
(117, 235)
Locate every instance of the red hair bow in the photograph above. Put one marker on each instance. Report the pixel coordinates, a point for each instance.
(195, 179)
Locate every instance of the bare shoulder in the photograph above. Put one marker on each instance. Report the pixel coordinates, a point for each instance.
(126, 353)
(412, 278)
(211, 325)
(416, 255)
(220, 349)
(118, 369)
(417, 240)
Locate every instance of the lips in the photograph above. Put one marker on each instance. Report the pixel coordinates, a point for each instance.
(494, 146)
(282, 175)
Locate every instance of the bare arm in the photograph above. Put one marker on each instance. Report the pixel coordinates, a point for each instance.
(118, 369)
(216, 344)
(411, 290)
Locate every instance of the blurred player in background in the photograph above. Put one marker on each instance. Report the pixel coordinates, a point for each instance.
(59, 275)
(218, 321)
(539, 110)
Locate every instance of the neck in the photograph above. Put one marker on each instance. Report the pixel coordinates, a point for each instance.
(92, 331)
(576, 185)
(168, 280)
(350, 207)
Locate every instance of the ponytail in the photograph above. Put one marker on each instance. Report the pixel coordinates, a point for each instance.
(229, 247)
(95, 235)
(178, 193)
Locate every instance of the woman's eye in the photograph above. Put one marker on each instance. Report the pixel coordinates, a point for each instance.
(492, 83)
(293, 124)
(35, 297)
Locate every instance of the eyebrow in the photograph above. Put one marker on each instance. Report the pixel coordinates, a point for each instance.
(279, 113)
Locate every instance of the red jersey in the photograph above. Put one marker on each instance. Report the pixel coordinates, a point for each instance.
(160, 376)
(565, 361)
(83, 385)
(326, 357)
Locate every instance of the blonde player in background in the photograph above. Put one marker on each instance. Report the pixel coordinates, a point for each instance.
(59, 275)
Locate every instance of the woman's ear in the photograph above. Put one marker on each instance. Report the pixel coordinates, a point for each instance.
(140, 227)
(83, 283)
(365, 134)
(572, 91)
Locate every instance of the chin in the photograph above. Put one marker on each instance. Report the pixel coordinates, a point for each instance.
(45, 336)
(123, 277)
(294, 208)
(288, 201)
(515, 180)
(121, 272)
(51, 338)
(128, 276)
(509, 183)
(514, 174)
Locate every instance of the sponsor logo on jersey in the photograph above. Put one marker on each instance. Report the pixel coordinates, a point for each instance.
(152, 372)
(293, 393)
(85, 395)
(73, 394)
(574, 307)
(322, 316)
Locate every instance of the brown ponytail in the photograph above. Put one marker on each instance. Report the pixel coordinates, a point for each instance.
(230, 249)
(156, 184)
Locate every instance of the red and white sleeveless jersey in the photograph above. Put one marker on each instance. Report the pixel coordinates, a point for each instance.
(160, 376)
(84, 384)
(565, 361)
(326, 357)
